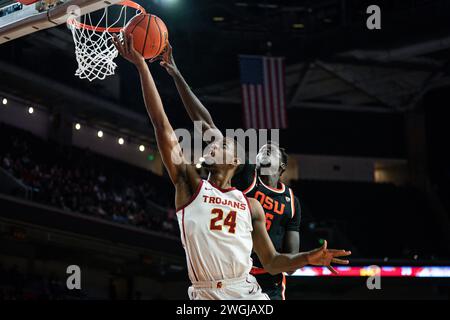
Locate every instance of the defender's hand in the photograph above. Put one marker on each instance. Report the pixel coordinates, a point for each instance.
(126, 48)
(324, 257)
(168, 62)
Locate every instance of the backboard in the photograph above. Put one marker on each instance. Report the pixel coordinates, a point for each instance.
(18, 19)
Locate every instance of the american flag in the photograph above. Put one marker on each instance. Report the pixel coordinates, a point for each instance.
(263, 100)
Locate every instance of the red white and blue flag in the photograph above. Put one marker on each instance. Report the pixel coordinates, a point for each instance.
(263, 88)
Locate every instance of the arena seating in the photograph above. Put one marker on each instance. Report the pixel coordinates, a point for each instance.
(82, 181)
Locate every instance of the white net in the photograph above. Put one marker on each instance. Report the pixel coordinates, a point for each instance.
(94, 51)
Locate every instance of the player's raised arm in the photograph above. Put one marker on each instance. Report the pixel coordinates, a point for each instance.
(275, 262)
(167, 141)
(196, 110)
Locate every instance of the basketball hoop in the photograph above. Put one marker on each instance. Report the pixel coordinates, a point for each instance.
(94, 51)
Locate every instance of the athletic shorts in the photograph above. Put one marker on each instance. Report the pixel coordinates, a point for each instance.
(243, 288)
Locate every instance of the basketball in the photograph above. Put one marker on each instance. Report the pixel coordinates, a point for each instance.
(150, 34)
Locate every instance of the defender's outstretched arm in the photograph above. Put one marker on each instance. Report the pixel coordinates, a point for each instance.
(194, 107)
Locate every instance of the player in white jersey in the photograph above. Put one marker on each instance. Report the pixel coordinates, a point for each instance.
(210, 225)
(219, 226)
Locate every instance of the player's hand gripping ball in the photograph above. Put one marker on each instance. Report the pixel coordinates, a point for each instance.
(150, 34)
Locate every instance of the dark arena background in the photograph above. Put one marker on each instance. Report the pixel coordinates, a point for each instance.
(367, 138)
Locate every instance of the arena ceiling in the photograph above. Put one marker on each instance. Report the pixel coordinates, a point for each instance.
(358, 80)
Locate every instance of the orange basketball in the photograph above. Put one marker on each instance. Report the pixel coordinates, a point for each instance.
(150, 34)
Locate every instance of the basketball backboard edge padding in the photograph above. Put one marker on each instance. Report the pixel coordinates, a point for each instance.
(51, 18)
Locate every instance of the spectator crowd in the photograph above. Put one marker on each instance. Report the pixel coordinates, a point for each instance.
(79, 180)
